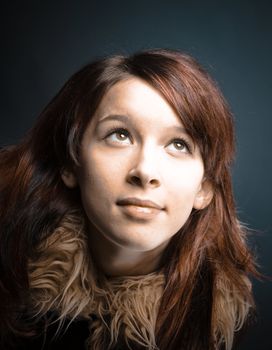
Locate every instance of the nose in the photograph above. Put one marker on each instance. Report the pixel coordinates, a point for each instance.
(144, 171)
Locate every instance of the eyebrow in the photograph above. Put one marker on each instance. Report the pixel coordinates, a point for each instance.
(124, 118)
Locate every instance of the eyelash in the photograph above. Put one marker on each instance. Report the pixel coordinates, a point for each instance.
(117, 130)
(126, 132)
(184, 142)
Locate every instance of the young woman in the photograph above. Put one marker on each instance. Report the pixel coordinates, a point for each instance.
(117, 210)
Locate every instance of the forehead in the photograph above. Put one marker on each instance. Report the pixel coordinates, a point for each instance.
(138, 100)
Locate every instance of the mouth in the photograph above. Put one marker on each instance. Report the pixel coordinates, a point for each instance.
(139, 209)
(144, 203)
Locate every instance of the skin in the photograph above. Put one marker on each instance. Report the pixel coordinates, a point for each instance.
(141, 160)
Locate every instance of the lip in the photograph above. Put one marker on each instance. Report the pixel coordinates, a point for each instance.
(145, 203)
(139, 209)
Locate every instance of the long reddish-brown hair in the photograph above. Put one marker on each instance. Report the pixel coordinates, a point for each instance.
(206, 264)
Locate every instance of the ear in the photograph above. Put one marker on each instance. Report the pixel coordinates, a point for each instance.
(69, 178)
(204, 195)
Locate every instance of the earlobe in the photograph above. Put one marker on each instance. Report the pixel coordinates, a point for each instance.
(69, 178)
(204, 195)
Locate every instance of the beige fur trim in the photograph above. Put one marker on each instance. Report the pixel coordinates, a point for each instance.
(132, 305)
(230, 311)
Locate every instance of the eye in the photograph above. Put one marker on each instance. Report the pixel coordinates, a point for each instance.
(179, 145)
(119, 135)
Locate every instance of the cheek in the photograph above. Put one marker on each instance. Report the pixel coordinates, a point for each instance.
(98, 178)
(105, 164)
(184, 185)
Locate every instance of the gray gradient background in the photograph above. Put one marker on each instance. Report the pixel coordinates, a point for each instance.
(44, 42)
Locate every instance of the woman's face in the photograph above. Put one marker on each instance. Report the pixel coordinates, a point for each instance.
(135, 149)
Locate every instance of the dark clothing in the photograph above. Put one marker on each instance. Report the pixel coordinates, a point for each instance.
(73, 338)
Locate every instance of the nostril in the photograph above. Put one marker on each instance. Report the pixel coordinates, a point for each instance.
(136, 180)
(154, 182)
(141, 179)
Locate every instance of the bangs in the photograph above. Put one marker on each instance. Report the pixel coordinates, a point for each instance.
(195, 98)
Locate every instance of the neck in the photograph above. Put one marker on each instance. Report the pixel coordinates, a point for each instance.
(116, 260)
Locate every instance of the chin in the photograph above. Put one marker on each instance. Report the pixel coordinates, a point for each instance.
(140, 245)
